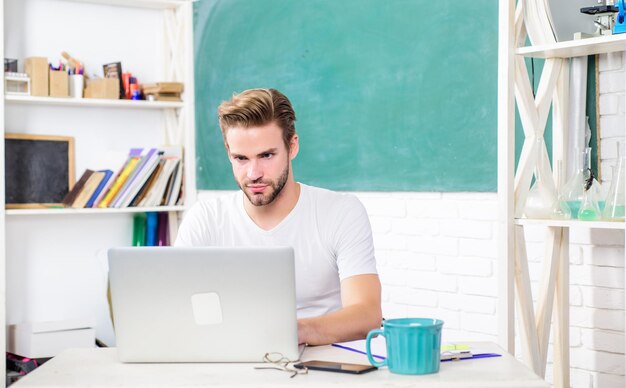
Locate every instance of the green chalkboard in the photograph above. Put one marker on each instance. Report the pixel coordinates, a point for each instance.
(390, 95)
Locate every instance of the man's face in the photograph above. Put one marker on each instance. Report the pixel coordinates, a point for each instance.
(260, 161)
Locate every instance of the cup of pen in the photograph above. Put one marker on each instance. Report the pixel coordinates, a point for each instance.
(77, 84)
(413, 345)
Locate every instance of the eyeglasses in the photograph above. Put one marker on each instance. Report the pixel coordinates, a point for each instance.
(282, 363)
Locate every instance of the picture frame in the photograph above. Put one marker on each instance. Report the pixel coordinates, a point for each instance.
(39, 170)
(114, 70)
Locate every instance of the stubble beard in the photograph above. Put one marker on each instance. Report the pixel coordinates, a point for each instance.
(261, 199)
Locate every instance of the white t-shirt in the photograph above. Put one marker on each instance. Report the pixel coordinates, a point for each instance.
(329, 231)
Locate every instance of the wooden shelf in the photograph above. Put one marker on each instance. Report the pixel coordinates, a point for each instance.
(61, 101)
(572, 223)
(576, 48)
(69, 211)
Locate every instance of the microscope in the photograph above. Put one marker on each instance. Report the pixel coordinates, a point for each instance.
(609, 17)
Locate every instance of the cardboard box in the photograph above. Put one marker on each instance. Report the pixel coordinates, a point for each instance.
(103, 88)
(37, 70)
(59, 84)
(47, 339)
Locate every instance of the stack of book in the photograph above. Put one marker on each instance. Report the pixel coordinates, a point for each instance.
(163, 91)
(154, 229)
(149, 177)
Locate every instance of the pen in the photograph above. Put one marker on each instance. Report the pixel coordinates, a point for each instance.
(357, 351)
(478, 355)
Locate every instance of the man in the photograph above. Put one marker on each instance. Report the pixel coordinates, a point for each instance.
(337, 287)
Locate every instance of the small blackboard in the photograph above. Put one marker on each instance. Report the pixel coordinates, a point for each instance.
(39, 169)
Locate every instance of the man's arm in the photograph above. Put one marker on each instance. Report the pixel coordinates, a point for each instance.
(361, 312)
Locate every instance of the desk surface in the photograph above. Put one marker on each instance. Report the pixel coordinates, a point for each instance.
(100, 368)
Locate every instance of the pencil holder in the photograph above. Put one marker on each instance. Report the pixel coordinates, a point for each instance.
(59, 85)
(37, 70)
(77, 84)
(108, 88)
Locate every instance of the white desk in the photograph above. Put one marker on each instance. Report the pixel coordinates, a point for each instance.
(100, 368)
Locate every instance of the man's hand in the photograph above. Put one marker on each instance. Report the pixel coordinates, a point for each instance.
(361, 312)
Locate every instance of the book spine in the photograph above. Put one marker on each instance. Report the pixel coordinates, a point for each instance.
(68, 200)
(139, 230)
(140, 181)
(141, 165)
(151, 229)
(101, 186)
(162, 230)
(118, 183)
(87, 191)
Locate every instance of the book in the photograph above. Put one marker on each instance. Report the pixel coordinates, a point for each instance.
(139, 229)
(174, 186)
(146, 187)
(173, 194)
(69, 198)
(137, 178)
(163, 87)
(151, 229)
(88, 189)
(139, 183)
(172, 225)
(155, 196)
(107, 188)
(126, 171)
(103, 183)
(162, 230)
(165, 96)
(116, 159)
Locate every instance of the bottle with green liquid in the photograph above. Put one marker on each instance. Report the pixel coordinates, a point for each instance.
(582, 191)
(616, 200)
(589, 209)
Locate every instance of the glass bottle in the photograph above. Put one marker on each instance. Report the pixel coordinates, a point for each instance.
(561, 211)
(541, 201)
(589, 208)
(616, 200)
(573, 192)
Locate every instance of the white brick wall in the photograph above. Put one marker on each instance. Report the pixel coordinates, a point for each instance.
(437, 252)
(447, 266)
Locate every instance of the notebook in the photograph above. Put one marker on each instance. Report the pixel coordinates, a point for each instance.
(204, 304)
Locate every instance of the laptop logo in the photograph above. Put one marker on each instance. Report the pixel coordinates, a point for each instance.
(207, 309)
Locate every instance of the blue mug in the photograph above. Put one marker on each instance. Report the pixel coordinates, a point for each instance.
(413, 345)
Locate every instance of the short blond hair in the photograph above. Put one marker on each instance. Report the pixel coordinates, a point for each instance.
(258, 107)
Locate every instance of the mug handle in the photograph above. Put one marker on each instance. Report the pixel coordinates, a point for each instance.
(368, 349)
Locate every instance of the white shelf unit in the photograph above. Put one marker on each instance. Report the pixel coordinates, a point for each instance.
(68, 211)
(571, 223)
(514, 283)
(94, 102)
(55, 257)
(576, 48)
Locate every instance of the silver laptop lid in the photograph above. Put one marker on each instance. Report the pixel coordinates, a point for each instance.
(204, 304)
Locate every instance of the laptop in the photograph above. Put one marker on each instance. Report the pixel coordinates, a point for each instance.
(203, 304)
